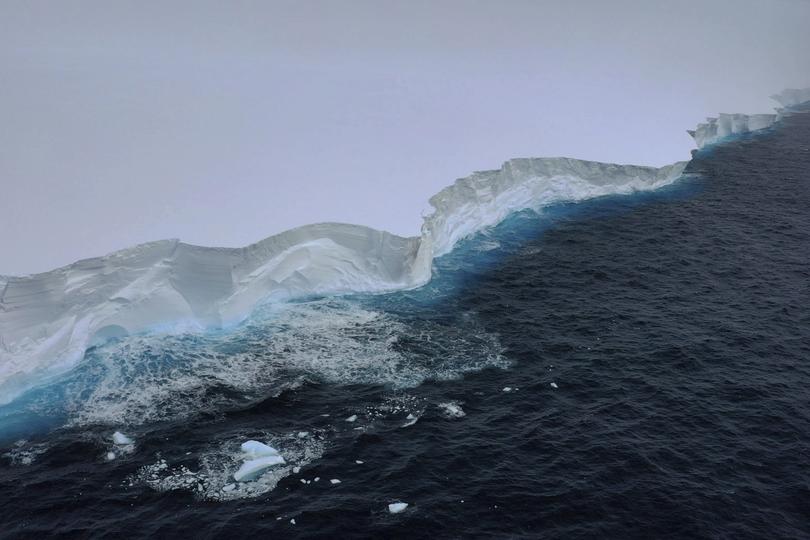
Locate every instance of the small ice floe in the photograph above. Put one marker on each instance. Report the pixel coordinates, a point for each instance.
(292, 521)
(410, 420)
(359, 462)
(121, 439)
(303, 434)
(452, 409)
(303, 481)
(335, 481)
(554, 385)
(507, 388)
(228, 487)
(316, 478)
(110, 456)
(397, 507)
(252, 469)
(256, 449)
(352, 418)
(296, 469)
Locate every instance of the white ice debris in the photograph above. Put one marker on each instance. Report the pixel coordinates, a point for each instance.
(359, 462)
(397, 507)
(410, 420)
(296, 470)
(256, 449)
(252, 469)
(452, 409)
(110, 456)
(121, 439)
(554, 385)
(335, 481)
(352, 418)
(507, 388)
(303, 434)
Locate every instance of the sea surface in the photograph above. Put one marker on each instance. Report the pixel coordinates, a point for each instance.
(627, 367)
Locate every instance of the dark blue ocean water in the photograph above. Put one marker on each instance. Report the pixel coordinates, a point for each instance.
(675, 326)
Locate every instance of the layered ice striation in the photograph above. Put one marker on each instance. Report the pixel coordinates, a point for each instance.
(722, 127)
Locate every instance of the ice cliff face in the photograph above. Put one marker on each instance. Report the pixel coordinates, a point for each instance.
(48, 320)
(715, 130)
(485, 198)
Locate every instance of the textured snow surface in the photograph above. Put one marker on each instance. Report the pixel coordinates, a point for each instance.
(48, 320)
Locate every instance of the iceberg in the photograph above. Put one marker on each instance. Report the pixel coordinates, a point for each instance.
(49, 320)
(718, 129)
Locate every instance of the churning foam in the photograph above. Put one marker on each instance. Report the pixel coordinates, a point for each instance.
(148, 378)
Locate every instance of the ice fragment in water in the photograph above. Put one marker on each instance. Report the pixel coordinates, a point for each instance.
(256, 449)
(250, 470)
(120, 438)
(397, 507)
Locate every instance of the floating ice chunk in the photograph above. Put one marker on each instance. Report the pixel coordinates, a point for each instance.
(121, 439)
(452, 409)
(410, 420)
(292, 521)
(316, 478)
(303, 480)
(228, 487)
(359, 462)
(303, 434)
(507, 388)
(397, 507)
(335, 481)
(296, 470)
(256, 449)
(352, 418)
(554, 385)
(250, 470)
(110, 456)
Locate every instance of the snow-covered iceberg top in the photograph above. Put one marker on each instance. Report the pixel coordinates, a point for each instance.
(717, 129)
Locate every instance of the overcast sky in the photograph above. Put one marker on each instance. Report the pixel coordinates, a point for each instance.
(221, 123)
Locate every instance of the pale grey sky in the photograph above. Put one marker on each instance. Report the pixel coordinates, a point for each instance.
(221, 123)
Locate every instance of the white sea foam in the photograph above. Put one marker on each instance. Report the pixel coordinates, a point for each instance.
(148, 378)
